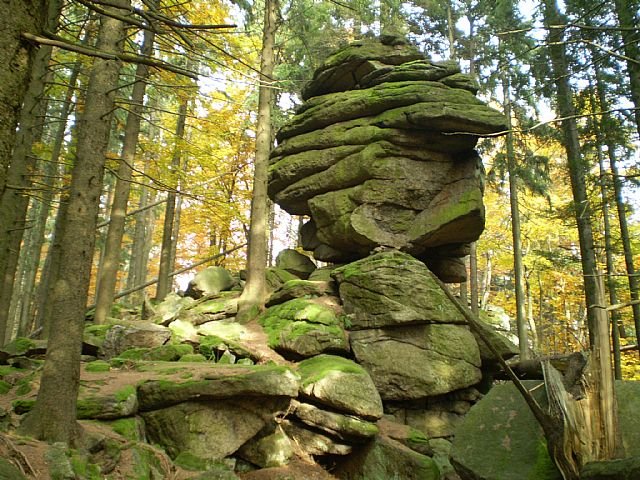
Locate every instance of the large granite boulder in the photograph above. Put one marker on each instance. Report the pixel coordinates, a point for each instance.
(419, 361)
(210, 430)
(305, 327)
(210, 281)
(382, 154)
(384, 459)
(392, 288)
(341, 385)
(501, 440)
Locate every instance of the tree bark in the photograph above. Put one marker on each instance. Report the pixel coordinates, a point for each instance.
(54, 415)
(252, 299)
(582, 208)
(627, 13)
(166, 263)
(108, 272)
(16, 56)
(518, 269)
(22, 79)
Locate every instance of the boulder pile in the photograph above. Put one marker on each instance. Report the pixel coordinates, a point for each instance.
(381, 153)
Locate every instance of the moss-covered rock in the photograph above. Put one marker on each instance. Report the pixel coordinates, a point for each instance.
(295, 262)
(162, 353)
(210, 281)
(419, 361)
(392, 288)
(210, 430)
(193, 357)
(384, 459)
(300, 289)
(345, 427)
(253, 381)
(340, 384)
(97, 366)
(304, 327)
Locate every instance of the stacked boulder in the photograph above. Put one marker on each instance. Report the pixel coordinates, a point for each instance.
(382, 154)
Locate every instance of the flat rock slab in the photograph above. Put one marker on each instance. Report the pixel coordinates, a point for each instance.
(345, 427)
(217, 383)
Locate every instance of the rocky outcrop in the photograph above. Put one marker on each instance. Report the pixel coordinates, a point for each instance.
(382, 154)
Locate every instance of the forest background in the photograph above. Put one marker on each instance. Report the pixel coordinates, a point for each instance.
(179, 136)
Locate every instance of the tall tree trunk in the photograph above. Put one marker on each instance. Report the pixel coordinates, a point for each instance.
(16, 55)
(577, 168)
(166, 264)
(14, 199)
(108, 273)
(634, 284)
(486, 281)
(54, 415)
(518, 269)
(252, 299)
(627, 13)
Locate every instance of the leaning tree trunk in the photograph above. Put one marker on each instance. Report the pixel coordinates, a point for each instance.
(54, 415)
(108, 272)
(252, 299)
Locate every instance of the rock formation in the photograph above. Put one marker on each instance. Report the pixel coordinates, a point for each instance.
(382, 154)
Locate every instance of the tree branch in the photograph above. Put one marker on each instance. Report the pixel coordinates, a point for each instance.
(55, 41)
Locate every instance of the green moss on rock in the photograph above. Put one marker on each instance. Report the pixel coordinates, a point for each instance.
(4, 387)
(97, 366)
(193, 357)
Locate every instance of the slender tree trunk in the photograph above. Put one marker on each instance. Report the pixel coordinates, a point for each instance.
(486, 281)
(576, 164)
(166, 264)
(634, 284)
(252, 299)
(54, 415)
(473, 278)
(518, 269)
(14, 199)
(451, 31)
(108, 273)
(627, 13)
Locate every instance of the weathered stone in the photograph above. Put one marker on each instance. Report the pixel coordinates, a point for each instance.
(128, 335)
(297, 469)
(622, 469)
(434, 423)
(295, 263)
(170, 308)
(305, 327)
(418, 361)
(276, 277)
(224, 305)
(384, 459)
(343, 69)
(406, 435)
(501, 440)
(449, 270)
(210, 281)
(273, 450)
(183, 330)
(314, 442)
(219, 383)
(210, 430)
(345, 427)
(392, 288)
(300, 289)
(341, 384)
(423, 104)
(505, 347)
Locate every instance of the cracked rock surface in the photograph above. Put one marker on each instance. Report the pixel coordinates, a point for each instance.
(382, 153)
